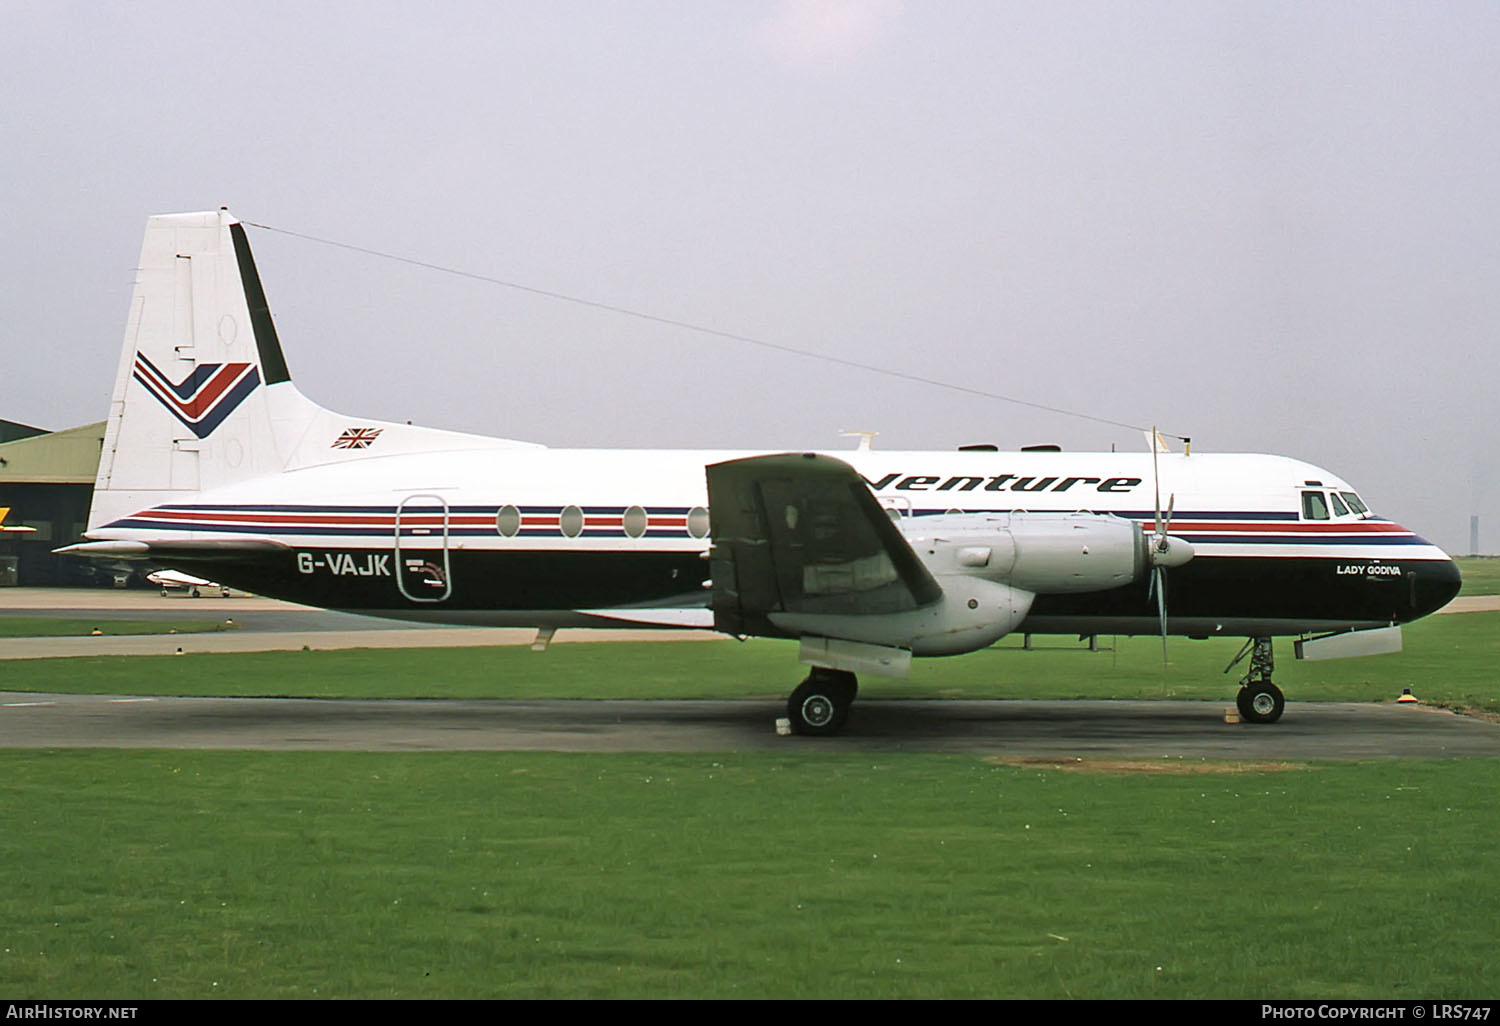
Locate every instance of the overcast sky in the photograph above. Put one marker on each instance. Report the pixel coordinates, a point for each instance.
(1274, 227)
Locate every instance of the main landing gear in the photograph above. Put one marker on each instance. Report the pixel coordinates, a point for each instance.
(820, 705)
(1259, 700)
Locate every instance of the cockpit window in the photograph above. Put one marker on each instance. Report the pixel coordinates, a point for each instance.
(1355, 504)
(1339, 509)
(1314, 506)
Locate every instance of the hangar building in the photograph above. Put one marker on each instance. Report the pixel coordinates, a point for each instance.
(47, 480)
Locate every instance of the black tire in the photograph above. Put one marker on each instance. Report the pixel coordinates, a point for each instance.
(820, 705)
(1260, 703)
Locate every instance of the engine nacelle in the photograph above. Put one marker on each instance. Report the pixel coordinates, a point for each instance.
(973, 613)
(991, 566)
(1043, 553)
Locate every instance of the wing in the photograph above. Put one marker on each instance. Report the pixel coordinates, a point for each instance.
(801, 533)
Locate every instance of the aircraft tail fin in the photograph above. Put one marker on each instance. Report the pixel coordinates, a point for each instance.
(202, 396)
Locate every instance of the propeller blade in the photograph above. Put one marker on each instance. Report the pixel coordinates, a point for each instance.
(1161, 546)
(1161, 609)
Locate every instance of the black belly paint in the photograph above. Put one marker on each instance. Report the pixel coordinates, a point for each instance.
(1317, 591)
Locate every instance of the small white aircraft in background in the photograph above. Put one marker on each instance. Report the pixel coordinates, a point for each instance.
(12, 529)
(170, 580)
(214, 461)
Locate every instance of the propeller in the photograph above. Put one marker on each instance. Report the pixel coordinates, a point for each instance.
(1165, 550)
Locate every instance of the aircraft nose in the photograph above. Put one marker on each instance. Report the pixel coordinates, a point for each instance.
(1437, 581)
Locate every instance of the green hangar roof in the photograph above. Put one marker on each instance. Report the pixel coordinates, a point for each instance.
(59, 457)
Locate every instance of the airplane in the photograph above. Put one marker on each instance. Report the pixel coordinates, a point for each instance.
(214, 461)
(12, 528)
(167, 580)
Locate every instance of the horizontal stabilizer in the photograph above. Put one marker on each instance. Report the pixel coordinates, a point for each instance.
(207, 549)
(801, 533)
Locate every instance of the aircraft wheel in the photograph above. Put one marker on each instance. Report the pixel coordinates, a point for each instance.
(164, 593)
(820, 705)
(1260, 703)
(196, 594)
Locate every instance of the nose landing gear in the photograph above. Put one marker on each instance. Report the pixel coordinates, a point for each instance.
(1259, 700)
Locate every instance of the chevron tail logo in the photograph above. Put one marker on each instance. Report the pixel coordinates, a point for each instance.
(205, 397)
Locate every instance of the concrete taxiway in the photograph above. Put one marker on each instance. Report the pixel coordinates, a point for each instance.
(1063, 730)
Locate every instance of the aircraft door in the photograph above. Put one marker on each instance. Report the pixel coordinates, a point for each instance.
(422, 567)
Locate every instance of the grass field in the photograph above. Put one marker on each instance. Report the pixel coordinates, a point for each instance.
(235, 874)
(1481, 575)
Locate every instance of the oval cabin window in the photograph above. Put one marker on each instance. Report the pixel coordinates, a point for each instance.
(508, 521)
(697, 522)
(635, 521)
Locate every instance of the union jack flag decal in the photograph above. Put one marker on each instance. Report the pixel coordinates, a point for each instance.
(356, 438)
(205, 397)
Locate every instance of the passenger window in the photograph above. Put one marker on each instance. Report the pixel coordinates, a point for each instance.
(508, 521)
(698, 523)
(1314, 506)
(1355, 504)
(1339, 509)
(635, 521)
